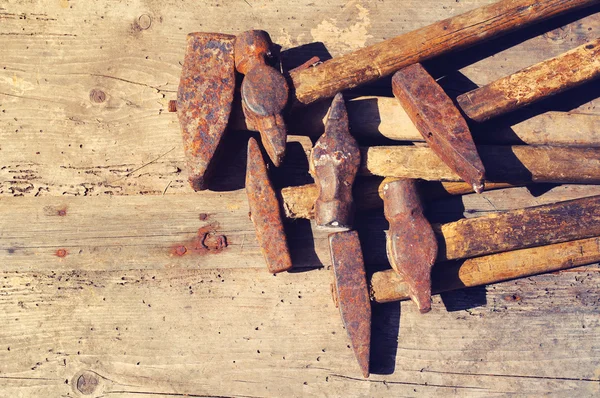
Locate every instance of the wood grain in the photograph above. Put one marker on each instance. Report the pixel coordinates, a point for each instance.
(383, 59)
(84, 89)
(568, 70)
(155, 333)
(516, 164)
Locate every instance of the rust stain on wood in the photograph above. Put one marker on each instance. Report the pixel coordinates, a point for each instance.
(206, 241)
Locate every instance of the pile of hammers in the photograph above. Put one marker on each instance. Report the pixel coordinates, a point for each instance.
(496, 247)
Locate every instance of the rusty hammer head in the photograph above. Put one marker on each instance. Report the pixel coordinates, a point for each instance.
(204, 100)
(334, 162)
(440, 123)
(411, 244)
(265, 212)
(264, 91)
(351, 294)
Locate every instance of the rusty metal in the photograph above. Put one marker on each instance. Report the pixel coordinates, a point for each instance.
(439, 122)
(265, 212)
(334, 162)
(411, 244)
(264, 91)
(351, 294)
(204, 100)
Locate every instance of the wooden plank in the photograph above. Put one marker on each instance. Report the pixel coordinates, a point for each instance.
(247, 333)
(83, 93)
(55, 60)
(184, 231)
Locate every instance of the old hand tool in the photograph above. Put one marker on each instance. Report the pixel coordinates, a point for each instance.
(265, 213)
(513, 238)
(204, 100)
(439, 122)
(383, 59)
(334, 162)
(510, 240)
(386, 286)
(264, 91)
(411, 245)
(531, 84)
(442, 125)
(329, 78)
(512, 164)
(351, 294)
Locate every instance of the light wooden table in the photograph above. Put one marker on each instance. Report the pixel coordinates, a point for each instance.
(94, 200)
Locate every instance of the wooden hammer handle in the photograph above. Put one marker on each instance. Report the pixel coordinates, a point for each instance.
(534, 83)
(387, 286)
(512, 164)
(382, 59)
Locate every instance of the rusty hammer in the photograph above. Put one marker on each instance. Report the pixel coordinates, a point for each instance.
(556, 240)
(334, 164)
(208, 76)
(351, 294)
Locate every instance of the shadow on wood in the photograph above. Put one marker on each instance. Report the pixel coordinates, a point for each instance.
(464, 299)
(302, 246)
(456, 60)
(385, 326)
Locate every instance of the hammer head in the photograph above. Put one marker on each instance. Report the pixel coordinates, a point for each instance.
(351, 293)
(411, 244)
(439, 122)
(265, 212)
(264, 91)
(204, 100)
(334, 162)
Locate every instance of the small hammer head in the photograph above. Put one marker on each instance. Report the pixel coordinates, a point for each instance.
(334, 162)
(204, 100)
(351, 293)
(264, 91)
(411, 244)
(265, 212)
(439, 122)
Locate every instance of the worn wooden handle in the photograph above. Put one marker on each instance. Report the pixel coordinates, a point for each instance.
(383, 59)
(513, 164)
(510, 230)
(532, 84)
(373, 117)
(387, 286)
(298, 201)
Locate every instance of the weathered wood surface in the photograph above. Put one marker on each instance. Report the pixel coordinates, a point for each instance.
(84, 89)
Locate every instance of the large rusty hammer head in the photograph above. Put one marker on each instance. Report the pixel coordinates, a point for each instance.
(204, 100)
(334, 162)
(440, 123)
(206, 94)
(411, 244)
